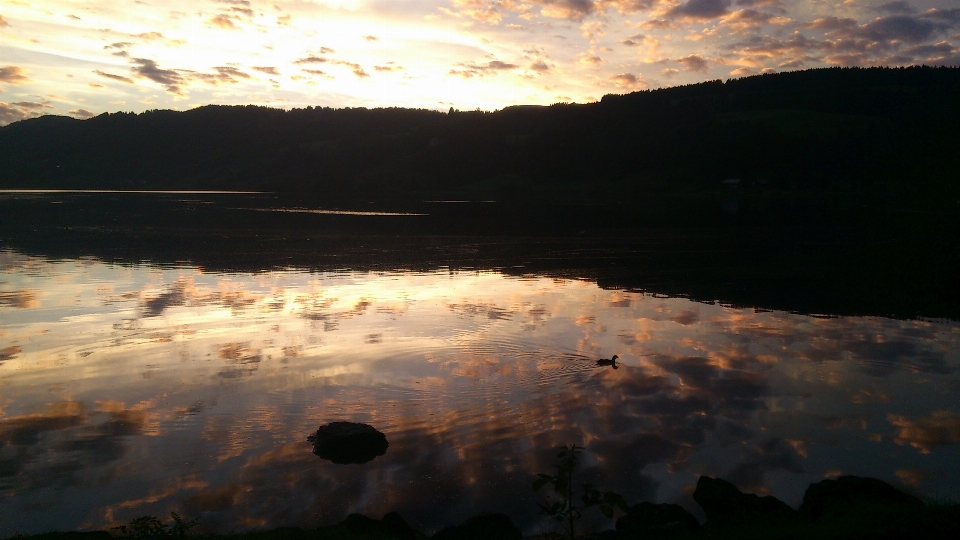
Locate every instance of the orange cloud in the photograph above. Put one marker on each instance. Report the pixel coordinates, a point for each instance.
(940, 428)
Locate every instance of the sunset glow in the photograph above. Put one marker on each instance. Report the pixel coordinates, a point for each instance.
(84, 58)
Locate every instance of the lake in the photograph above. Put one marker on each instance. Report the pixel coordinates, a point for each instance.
(132, 390)
(142, 382)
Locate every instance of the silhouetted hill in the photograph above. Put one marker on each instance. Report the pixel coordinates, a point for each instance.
(856, 131)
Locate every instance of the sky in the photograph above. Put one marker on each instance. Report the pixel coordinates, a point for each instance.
(86, 57)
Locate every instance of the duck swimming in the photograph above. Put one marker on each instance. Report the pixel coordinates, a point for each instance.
(611, 362)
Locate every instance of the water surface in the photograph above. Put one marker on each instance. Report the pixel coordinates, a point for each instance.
(128, 390)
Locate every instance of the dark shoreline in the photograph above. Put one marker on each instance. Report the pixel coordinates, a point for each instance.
(844, 508)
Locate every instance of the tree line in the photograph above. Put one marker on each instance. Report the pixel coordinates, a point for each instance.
(836, 129)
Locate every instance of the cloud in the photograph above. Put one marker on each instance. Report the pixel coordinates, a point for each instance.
(566, 9)
(114, 77)
(149, 36)
(948, 15)
(900, 7)
(758, 461)
(639, 39)
(493, 11)
(669, 72)
(490, 11)
(371, 38)
(317, 72)
(82, 113)
(3, 21)
(898, 27)
(660, 24)
(940, 428)
(471, 69)
(269, 70)
(830, 23)
(33, 106)
(222, 75)
(148, 69)
(26, 430)
(12, 112)
(630, 6)
(700, 10)
(750, 19)
(119, 48)
(311, 60)
(357, 70)
(13, 75)
(628, 80)
(942, 53)
(540, 66)
(222, 21)
(9, 353)
(593, 30)
(694, 63)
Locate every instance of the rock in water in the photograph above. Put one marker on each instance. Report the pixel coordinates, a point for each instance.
(647, 518)
(830, 499)
(348, 442)
(482, 527)
(724, 504)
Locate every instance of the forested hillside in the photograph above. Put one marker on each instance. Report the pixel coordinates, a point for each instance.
(837, 130)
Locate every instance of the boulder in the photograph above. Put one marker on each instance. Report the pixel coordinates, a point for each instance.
(482, 527)
(649, 519)
(391, 526)
(724, 504)
(348, 442)
(847, 495)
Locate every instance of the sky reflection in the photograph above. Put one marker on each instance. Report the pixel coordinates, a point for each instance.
(132, 390)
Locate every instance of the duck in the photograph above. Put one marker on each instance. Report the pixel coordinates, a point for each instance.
(611, 362)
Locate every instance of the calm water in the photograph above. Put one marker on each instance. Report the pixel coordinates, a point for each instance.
(133, 390)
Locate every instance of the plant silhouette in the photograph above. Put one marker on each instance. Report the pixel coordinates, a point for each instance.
(564, 508)
(151, 527)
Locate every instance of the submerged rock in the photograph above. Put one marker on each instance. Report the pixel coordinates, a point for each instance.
(647, 518)
(482, 527)
(847, 495)
(724, 504)
(348, 442)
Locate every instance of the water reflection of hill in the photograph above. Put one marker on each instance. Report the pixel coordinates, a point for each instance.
(901, 264)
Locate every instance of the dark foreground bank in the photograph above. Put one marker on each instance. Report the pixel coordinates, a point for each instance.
(848, 507)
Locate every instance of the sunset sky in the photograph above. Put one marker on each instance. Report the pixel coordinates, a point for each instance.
(83, 58)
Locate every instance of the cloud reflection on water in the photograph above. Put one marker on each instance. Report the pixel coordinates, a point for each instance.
(139, 390)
